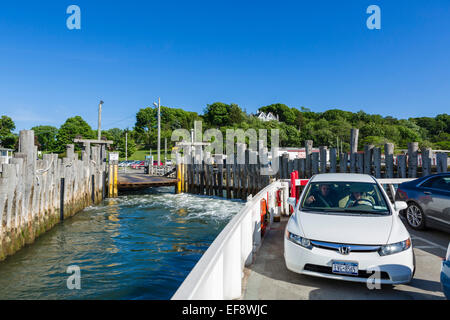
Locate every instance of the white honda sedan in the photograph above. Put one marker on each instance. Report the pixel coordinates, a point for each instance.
(344, 227)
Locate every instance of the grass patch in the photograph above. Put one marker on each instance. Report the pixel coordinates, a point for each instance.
(140, 155)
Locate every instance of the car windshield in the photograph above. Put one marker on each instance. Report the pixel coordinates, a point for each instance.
(345, 197)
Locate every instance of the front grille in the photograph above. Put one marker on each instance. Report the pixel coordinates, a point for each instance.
(352, 247)
(327, 270)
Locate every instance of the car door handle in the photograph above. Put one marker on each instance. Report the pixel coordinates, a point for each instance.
(427, 192)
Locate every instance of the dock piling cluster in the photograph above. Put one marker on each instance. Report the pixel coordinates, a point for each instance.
(35, 194)
(238, 175)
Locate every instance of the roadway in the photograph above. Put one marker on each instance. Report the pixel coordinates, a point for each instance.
(269, 279)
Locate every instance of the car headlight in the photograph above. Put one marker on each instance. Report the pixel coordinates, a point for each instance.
(395, 247)
(305, 243)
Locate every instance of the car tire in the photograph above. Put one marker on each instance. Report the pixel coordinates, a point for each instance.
(415, 217)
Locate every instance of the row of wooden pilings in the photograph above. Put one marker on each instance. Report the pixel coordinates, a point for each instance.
(245, 173)
(37, 194)
(234, 177)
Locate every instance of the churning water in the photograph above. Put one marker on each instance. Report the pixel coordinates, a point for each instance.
(141, 245)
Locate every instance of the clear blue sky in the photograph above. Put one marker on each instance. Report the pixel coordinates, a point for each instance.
(317, 54)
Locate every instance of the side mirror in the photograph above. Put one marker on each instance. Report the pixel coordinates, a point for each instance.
(400, 205)
(292, 201)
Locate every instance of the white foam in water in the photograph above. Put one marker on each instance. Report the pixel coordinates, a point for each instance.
(193, 206)
(119, 243)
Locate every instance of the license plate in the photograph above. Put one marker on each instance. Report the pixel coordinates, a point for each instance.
(349, 268)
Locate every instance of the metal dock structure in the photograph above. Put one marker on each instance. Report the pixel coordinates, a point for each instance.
(134, 181)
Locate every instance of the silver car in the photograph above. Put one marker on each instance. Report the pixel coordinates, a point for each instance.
(428, 200)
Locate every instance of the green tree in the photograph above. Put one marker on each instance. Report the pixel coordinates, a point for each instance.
(6, 125)
(236, 115)
(217, 114)
(7, 138)
(131, 146)
(114, 134)
(72, 128)
(146, 120)
(284, 113)
(46, 136)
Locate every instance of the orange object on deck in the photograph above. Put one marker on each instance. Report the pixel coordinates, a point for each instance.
(264, 216)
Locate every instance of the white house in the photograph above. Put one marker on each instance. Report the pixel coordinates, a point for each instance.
(298, 153)
(267, 117)
(5, 155)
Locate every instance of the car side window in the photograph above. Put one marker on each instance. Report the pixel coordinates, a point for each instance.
(442, 183)
(429, 183)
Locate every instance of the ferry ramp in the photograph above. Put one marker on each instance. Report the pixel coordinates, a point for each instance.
(138, 180)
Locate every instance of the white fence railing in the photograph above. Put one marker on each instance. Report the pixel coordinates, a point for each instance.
(218, 274)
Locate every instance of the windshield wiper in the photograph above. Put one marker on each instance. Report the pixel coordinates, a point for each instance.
(363, 211)
(310, 209)
(346, 210)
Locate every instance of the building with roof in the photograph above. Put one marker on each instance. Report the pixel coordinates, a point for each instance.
(5, 155)
(267, 116)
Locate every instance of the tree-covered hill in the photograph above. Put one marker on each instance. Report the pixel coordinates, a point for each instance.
(295, 124)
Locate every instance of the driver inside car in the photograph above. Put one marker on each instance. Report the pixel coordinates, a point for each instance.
(357, 196)
(324, 197)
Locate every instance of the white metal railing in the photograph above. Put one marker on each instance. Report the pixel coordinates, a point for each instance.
(392, 184)
(218, 274)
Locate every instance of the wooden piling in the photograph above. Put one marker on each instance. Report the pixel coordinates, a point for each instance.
(360, 162)
(368, 149)
(354, 133)
(413, 148)
(228, 180)
(308, 154)
(315, 163)
(333, 160)
(323, 159)
(401, 165)
(389, 160)
(343, 160)
(426, 161)
(377, 162)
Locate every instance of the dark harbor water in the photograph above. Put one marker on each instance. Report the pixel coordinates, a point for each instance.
(138, 246)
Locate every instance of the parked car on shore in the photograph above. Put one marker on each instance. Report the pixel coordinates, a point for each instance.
(428, 200)
(138, 165)
(344, 227)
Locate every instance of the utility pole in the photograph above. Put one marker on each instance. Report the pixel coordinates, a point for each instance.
(149, 139)
(159, 128)
(126, 145)
(99, 131)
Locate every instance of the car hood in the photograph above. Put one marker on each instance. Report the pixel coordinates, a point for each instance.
(372, 230)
